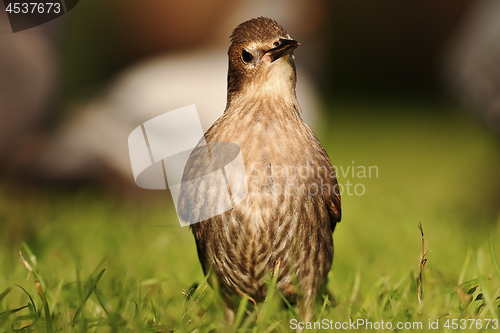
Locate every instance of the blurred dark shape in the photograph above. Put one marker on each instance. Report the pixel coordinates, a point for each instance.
(387, 47)
(27, 78)
(472, 67)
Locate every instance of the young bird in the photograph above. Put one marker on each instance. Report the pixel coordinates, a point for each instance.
(285, 222)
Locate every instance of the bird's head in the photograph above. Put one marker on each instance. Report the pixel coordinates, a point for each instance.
(261, 60)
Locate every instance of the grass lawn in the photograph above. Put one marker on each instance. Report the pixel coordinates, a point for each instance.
(107, 262)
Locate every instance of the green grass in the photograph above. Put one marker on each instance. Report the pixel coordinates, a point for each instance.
(103, 262)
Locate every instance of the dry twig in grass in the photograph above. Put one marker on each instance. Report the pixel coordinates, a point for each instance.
(423, 261)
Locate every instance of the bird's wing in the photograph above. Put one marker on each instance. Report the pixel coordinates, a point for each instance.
(333, 203)
(331, 194)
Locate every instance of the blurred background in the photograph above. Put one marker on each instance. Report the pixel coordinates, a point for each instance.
(409, 87)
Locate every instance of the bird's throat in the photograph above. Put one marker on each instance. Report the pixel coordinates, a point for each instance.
(275, 81)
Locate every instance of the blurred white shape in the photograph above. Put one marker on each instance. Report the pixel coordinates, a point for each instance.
(173, 132)
(140, 158)
(214, 182)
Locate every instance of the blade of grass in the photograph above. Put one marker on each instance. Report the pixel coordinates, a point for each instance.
(99, 266)
(290, 307)
(93, 285)
(423, 261)
(273, 327)
(241, 311)
(266, 307)
(31, 256)
(32, 265)
(5, 292)
(464, 268)
(355, 290)
(27, 293)
(191, 298)
(48, 316)
(100, 296)
(37, 314)
(494, 257)
(326, 301)
(468, 284)
(39, 284)
(13, 310)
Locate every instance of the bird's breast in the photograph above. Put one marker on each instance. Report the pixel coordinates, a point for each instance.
(281, 165)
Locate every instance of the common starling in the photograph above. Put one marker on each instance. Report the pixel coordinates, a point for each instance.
(287, 218)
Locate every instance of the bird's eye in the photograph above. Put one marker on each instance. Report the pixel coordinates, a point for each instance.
(246, 56)
(276, 44)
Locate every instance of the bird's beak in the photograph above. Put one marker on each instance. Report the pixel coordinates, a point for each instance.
(286, 47)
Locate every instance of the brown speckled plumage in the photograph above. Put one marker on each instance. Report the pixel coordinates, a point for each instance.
(289, 213)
